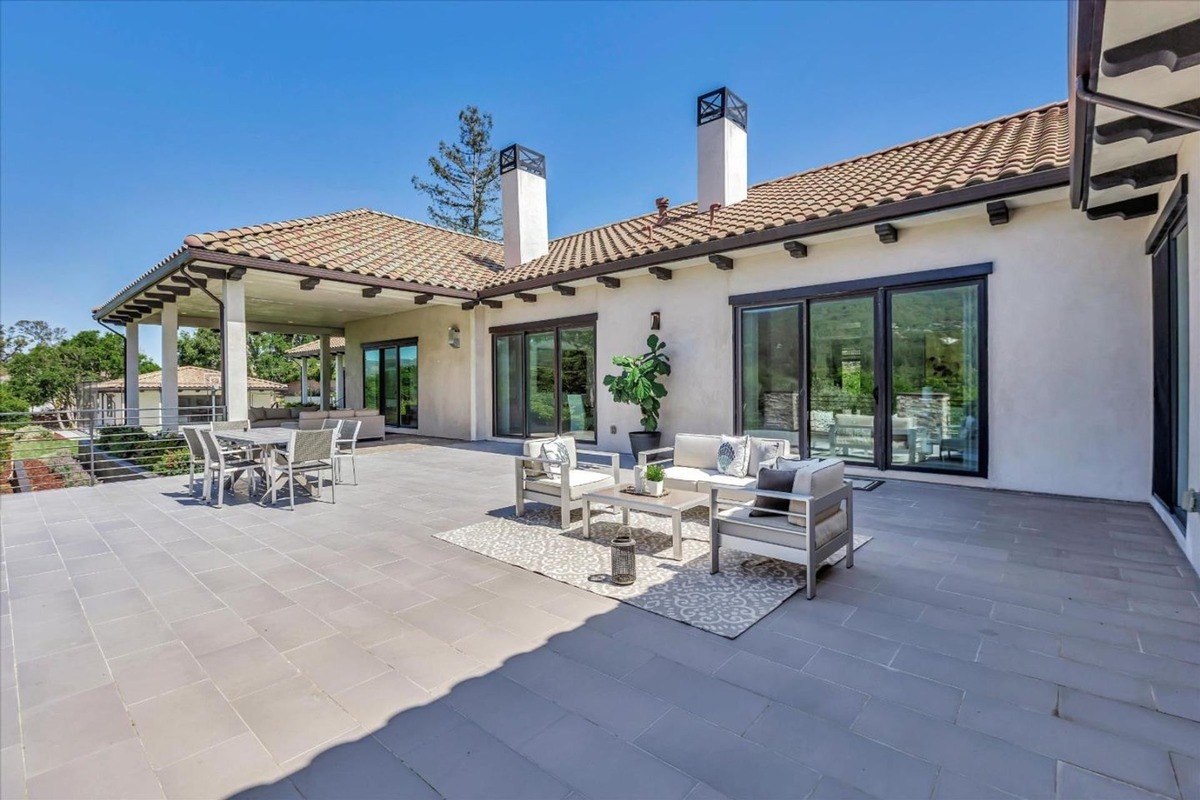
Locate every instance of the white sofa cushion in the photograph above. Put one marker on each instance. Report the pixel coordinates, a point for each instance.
(696, 450)
(677, 477)
(738, 522)
(582, 481)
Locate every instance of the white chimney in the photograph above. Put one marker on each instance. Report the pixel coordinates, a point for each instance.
(720, 149)
(523, 204)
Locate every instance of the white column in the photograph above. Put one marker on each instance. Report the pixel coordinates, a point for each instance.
(170, 366)
(339, 381)
(233, 357)
(304, 381)
(324, 372)
(131, 374)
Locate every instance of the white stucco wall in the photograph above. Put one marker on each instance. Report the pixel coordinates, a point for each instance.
(1069, 340)
(1069, 343)
(444, 405)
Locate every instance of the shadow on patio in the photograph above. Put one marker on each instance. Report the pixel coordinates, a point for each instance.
(984, 641)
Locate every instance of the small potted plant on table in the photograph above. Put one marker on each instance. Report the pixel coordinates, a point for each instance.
(654, 480)
(638, 384)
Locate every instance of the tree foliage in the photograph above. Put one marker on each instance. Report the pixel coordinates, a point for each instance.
(637, 384)
(265, 353)
(51, 371)
(25, 334)
(464, 185)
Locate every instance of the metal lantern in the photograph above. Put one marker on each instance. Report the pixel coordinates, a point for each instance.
(624, 564)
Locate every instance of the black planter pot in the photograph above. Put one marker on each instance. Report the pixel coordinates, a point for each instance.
(644, 440)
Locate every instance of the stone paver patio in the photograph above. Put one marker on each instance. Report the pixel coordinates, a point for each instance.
(985, 645)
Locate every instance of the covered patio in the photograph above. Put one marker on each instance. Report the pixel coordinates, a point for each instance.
(986, 644)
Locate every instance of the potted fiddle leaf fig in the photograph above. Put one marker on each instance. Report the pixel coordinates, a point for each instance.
(638, 384)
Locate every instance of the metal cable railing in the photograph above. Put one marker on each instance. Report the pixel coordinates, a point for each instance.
(83, 447)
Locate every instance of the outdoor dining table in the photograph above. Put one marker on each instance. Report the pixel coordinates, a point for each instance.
(264, 438)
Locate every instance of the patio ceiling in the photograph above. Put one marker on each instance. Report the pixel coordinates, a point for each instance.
(1151, 59)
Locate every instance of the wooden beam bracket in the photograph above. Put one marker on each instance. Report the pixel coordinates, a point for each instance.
(422, 299)
(564, 290)
(371, 291)
(608, 281)
(493, 303)
(662, 273)
(724, 263)
(308, 284)
(235, 274)
(796, 249)
(1142, 206)
(526, 297)
(998, 213)
(887, 233)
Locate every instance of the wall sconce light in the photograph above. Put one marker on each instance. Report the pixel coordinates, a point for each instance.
(655, 320)
(454, 336)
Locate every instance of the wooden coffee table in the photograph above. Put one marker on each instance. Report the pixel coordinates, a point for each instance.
(672, 504)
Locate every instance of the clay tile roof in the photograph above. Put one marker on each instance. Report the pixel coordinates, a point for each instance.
(376, 244)
(189, 378)
(367, 243)
(1019, 144)
(337, 344)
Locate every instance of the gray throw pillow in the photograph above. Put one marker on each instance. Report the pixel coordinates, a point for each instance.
(773, 480)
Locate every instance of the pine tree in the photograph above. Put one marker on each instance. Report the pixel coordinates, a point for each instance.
(465, 179)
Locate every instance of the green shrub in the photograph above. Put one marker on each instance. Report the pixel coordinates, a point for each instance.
(655, 473)
(171, 462)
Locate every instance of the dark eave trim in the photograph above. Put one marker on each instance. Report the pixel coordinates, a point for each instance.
(862, 284)
(979, 193)
(1175, 206)
(545, 324)
(188, 255)
(1085, 29)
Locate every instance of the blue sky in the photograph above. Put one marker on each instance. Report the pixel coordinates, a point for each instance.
(126, 126)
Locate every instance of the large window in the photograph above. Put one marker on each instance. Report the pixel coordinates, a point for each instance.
(890, 374)
(544, 379)
(390, 381)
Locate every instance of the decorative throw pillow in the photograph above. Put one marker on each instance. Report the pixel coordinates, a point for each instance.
(762, 450)
(733, 455)
(792, 463)
(773, 480)
(557, 451)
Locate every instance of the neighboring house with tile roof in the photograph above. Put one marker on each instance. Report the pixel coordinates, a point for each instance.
(199, 390)
(939, 310)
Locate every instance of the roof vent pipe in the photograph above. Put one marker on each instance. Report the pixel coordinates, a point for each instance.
(523, 204)
(721, 119)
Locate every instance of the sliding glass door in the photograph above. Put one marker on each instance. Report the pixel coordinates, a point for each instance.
(390, 381)
(891, 376)
(544, 379)
(1169, 292)
(841, 378)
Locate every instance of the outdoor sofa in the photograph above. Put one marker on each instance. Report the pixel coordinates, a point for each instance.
(691, 463)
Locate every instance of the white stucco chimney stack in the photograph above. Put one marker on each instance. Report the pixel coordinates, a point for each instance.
(721, 118)
(523, 204)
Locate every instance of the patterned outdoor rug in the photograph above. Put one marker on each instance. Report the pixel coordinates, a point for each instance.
(742, 593)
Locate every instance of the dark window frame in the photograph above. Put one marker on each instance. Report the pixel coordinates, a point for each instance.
(881, 290)
(522, 329)
(383, 345)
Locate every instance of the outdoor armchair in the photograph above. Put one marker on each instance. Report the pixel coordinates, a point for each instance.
(810, 531)
(562, 484)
